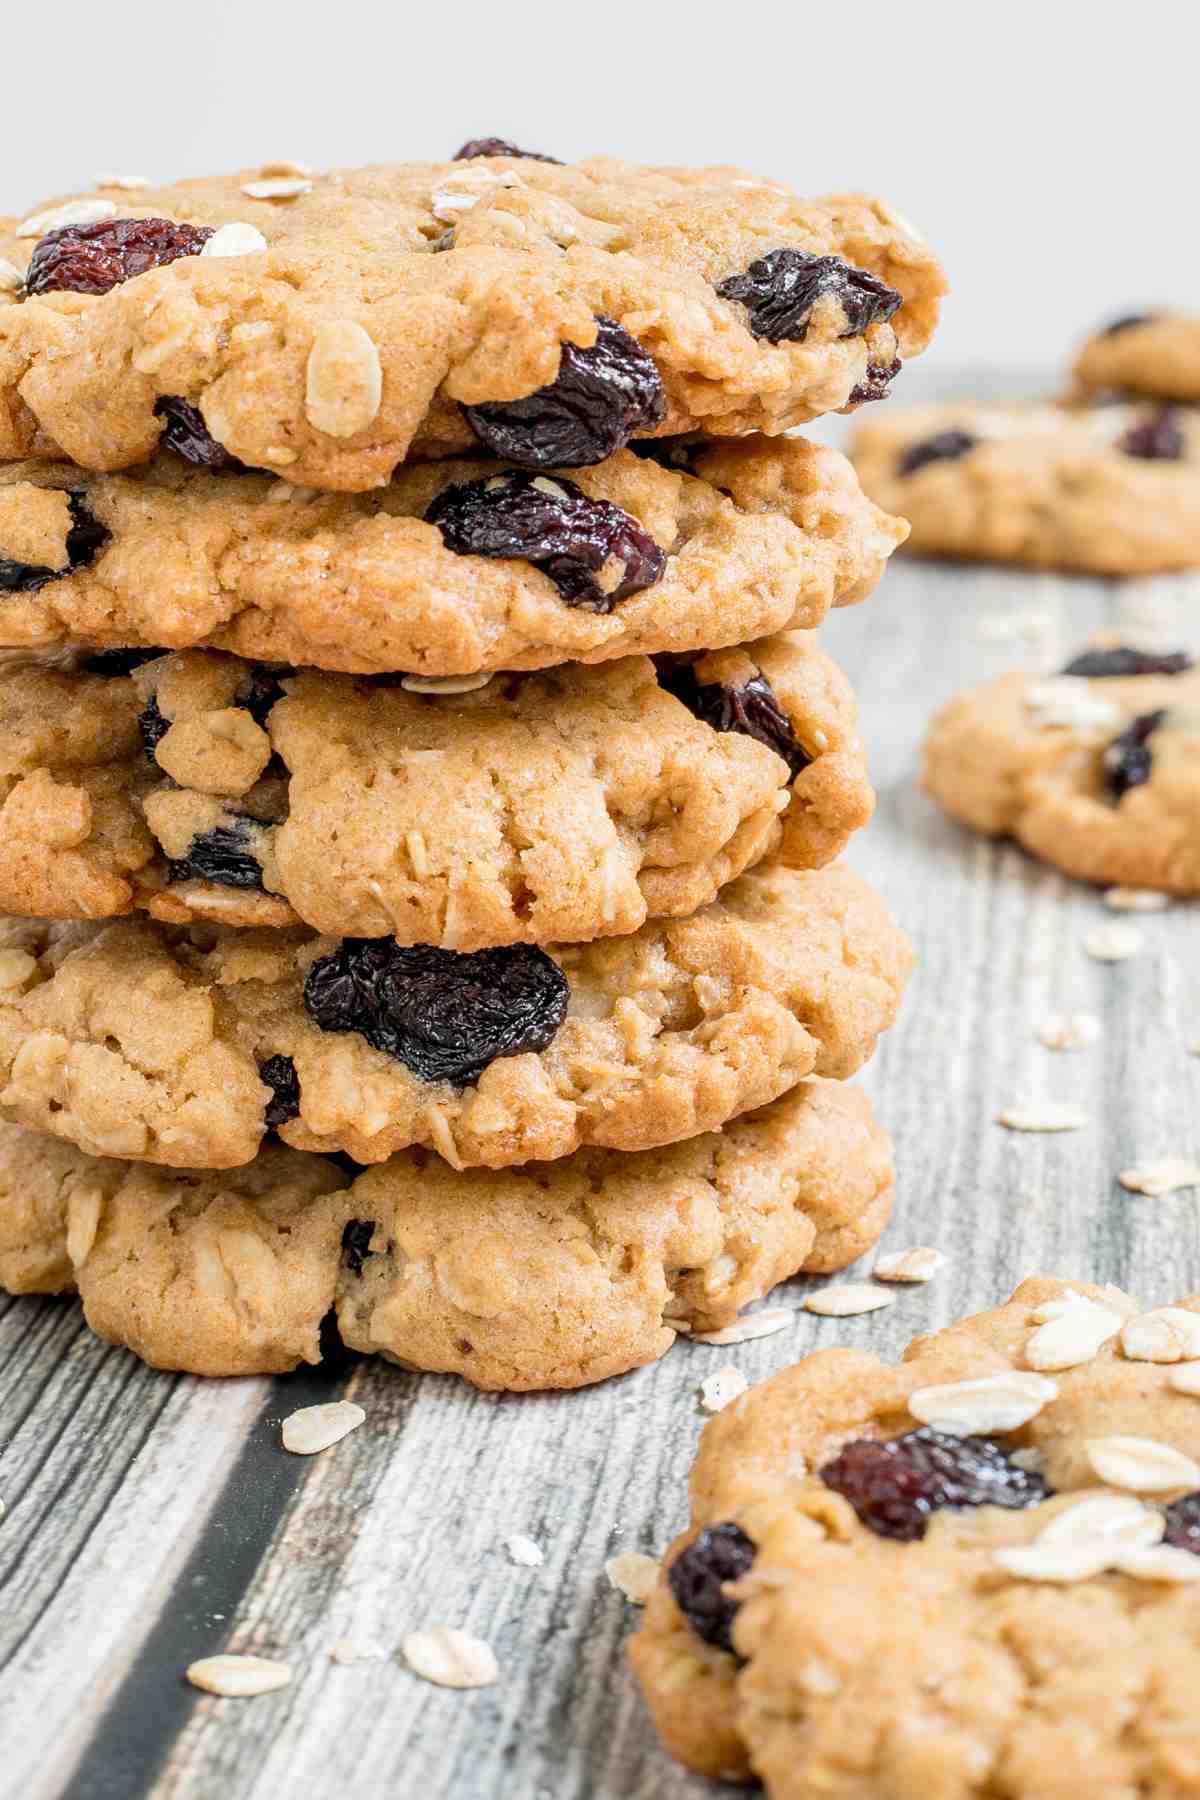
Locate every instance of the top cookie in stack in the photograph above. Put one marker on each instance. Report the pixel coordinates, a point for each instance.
(409, 598)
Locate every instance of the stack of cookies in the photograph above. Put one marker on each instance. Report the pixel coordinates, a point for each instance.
(421, 785)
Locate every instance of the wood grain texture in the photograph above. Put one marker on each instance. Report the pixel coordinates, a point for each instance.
(152, 1519)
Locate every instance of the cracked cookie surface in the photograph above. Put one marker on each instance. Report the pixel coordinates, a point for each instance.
(384, 300)
(862, 1665)
(1100, 777)
(539, 808)
(514, 1279)
(1106, 489)
(145, 1040)
(760, 537)
(1155, 353)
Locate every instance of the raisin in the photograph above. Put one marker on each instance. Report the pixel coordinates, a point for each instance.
(1125, 659)
(552, 524)
(781, 289)
(85, 535)
(186, 433)
(356, 1243)
(279, 1073)
(875, 383)
(698, 1575)
(592, 408)
(443, 1014)
(152, 726)
(894, 1484)
(118, 662)
(220, 856)
(1129, 759)
(494, 146)
(1156, 439)
(91, 259)
(750, 708)
(945, 446)
(1126, 323)
(261, 692)
(1183, 1523)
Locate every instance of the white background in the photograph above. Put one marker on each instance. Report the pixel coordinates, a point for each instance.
(1049, 151)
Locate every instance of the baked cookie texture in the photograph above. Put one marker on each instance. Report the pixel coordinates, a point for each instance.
(537, 809)
(144, 1040)
(1107, 489)
(1100, 777)
(758, 537)
(1154, 353)
(864, 1665)
(546, 1277)
(377, 302)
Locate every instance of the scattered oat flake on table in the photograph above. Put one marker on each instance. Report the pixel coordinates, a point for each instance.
(1163, 1175)
(1112, 943)
(1069, 1031)
(314, 1428)
(346, 1650)
(523, 1551)
(238, 1677)
(847, 1299)
(1043, 1116)
(716, 1391)
(754, 1325)
(921, 1263)
(449, 1657)
(633, 1574)
(1131, 899)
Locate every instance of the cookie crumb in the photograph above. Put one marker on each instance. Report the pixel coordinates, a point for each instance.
(1112, 943)
(633, 1574)
(1163, 1175)
(1131, 899)
(314, 1428)
(524, 1552)
(1069, 1031)
(716, 1391)
(1043, 1116)
(752, 1325)
(921, 1263)
(449, 1657)
(238, 1677)
(848, 1299)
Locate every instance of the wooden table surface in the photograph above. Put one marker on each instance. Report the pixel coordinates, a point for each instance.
(152, 1518)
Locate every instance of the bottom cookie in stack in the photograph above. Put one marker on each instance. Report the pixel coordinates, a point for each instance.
(545, 1276)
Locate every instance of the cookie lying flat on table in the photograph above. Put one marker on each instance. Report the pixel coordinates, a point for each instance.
(526, 809)
(1111, 490)
(183, 1046)
(973, 1570)
(1155, 353)
(339, 321)
(453, 568)
(1096, 770)
(522, 1278)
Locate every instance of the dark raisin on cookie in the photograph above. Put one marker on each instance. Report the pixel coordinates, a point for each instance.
(153, 726)
(1126, 659)
(593, 552)
(188, 436)
(895, 1484)
(1156, 439)
(221, 856)
(356, 1243)
(875, 383)
(118, 662)
(261, 691)
(279, 1073)
(944, 446)
(748, 707)
(1183, 1523)
(85, 535)
(781, 289)
(1129, 759)
(698, 1575)
(496, 146)
(598, 400)
(91, 259)
(444, 1014)
(1126, 323)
